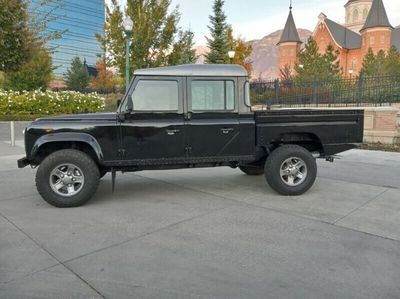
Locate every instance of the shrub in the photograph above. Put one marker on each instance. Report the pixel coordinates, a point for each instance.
(39, 103)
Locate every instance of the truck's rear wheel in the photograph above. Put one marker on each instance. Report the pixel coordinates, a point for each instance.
(252, 170)
(291, 170)
(67, 178)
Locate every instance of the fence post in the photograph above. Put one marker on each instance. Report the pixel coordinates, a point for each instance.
(360, 89)
(12, 129)
(314, 93)
(276, 89)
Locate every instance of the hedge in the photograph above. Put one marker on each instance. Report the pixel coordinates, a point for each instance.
(27, 105)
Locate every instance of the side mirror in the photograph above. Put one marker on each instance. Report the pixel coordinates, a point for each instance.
(129, 104)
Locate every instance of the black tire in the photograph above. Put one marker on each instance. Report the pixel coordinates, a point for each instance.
(90, 173)
(252, 170)
(277, 159)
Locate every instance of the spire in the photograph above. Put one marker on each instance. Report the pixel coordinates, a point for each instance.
(290, 33)
(377, 16)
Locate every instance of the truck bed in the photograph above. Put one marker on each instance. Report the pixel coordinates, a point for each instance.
(336, 130)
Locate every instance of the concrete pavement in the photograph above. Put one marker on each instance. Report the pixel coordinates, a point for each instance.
(206, 233)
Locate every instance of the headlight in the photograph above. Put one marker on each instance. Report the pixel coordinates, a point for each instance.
(23, 131)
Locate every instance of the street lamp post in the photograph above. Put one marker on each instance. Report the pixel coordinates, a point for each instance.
(128, 27)
(231, 55)
(351, 73)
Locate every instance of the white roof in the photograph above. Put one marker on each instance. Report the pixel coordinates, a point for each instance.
(194, 70)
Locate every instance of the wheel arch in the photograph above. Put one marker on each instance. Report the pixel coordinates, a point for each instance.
(309, 141)
(48, 144)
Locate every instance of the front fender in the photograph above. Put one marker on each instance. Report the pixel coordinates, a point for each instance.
(68, 137)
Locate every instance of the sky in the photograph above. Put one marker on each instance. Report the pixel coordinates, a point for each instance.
(254, 19)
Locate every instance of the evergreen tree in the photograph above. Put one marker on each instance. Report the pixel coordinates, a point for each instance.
(311, 61)
(77, 77)
(380, 66)
(331, 58)
(317, 67)
(183, 51)
(392, 62)
(15, 37)
(155, 31)
(369, 63)
(218, 42)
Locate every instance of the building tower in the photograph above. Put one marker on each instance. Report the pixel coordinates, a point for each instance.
(377, 31)
(289, 44)
(357, 13)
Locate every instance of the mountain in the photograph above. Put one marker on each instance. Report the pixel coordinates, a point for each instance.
(265, 54)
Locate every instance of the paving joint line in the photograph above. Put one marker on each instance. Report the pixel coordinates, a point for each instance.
(53, 256)
(370, 185)
(363, 205)
(279, 211)
(145, 234)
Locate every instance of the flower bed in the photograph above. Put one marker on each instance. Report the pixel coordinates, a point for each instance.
(22, 105)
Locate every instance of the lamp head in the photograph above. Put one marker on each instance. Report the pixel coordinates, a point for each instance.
(128, 24)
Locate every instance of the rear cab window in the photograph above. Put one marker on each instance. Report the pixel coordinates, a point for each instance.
(212, 95)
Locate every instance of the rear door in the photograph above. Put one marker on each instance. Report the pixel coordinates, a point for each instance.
(212, 122)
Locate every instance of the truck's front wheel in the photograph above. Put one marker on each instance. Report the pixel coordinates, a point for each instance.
(67, 178)
(291, 170)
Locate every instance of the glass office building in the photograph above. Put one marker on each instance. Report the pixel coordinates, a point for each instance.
(80, 20)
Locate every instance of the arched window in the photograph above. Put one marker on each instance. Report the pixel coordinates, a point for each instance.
(365, 13)
(355, 15)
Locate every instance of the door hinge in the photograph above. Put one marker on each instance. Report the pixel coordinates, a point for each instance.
(122, 153)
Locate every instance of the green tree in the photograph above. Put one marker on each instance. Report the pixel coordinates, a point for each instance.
(331, 58)
(374, 65)
(311, 63)
(77, 77)
(15, 37)
(155, 30)
(316, 66)
(392, 62)
(218, 42)
(369, 63)
(183, 51)
(36, 73)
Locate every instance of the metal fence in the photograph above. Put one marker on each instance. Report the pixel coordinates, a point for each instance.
(360, 91)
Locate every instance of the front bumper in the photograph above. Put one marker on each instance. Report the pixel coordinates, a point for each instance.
(23, 162)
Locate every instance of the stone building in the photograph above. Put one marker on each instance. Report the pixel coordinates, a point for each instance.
(366, 26)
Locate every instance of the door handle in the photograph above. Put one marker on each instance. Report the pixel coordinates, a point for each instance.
(172, 132)
(227, 130)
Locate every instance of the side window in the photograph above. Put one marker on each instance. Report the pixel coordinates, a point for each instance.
(156, 95)
(213, 95)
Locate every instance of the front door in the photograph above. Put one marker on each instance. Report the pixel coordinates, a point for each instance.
(212, 122)
(154, 131)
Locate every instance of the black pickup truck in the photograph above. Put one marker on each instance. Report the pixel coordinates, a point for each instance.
(185, 117)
